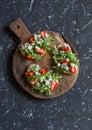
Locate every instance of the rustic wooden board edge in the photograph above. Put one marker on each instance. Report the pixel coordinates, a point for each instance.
(24, 34)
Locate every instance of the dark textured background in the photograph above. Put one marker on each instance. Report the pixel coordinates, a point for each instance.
(73, 110)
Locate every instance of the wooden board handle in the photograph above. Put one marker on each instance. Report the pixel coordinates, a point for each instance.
(19, 29)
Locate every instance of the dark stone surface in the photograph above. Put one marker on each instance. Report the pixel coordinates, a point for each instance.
(73, 110)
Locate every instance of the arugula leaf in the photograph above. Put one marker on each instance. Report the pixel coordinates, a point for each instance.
(38, 32)
(56, 76)
(45, 43)
(38, 57)
(71, 56)
(42, 89)
(55, 51)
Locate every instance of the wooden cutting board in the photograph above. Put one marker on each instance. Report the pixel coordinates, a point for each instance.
(20, 63)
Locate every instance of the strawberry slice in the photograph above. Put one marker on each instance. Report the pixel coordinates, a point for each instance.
(42, 70)
(29, 57)
(33, 82)
(43, 33)
(72, 69)
(64, 61)
(40, 51)
(53, 85)
(29, 73)
(66, 48)
(31, 39)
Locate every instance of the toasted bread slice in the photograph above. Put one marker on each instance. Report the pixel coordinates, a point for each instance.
(66, 44)
(24, 53)
(52, 84)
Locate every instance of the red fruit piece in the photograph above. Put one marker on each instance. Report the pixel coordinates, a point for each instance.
(43, 33)
(64, 61)
(40, 51)
(53, 85)
(31, 39)
(72, 69)
(30, 73)
(29, 57)
(42, 70)
(33, 82)
(66, 48)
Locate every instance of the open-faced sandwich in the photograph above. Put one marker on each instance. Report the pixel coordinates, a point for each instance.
(41, 80)
(65, 60)
(37, 45)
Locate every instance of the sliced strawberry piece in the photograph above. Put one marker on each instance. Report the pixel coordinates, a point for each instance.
(43, 33)
(72, 69)
(31, 39)
(40, 51)
(43, 70)
(29, 57)
(66, 48)
(64, 61)
(30, 73)
(53, 85)
(33, 82)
